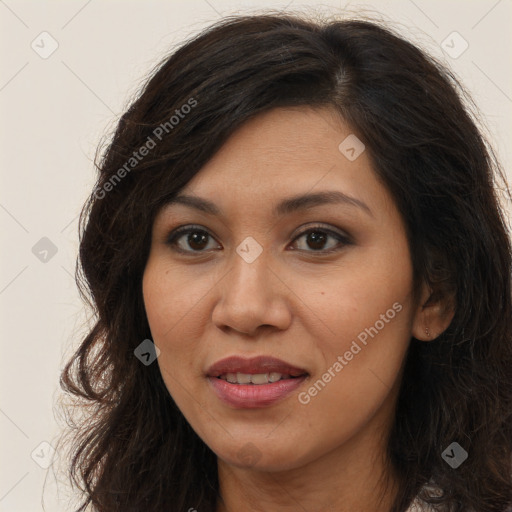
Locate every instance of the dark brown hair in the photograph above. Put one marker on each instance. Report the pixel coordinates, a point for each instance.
(136, 451)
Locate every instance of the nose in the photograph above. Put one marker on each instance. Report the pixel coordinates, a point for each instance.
(251, 297)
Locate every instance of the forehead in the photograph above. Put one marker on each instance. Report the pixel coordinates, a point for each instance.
(291, 135)
(280, 155)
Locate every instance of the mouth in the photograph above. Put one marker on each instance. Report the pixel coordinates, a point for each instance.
(254, 383)
(254, 367)
(257, 379)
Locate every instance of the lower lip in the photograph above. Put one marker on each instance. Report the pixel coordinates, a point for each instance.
(250, 396)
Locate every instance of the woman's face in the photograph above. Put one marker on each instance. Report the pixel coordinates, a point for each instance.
(300, 259)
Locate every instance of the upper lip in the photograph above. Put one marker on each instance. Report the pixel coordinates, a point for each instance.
(254, 365)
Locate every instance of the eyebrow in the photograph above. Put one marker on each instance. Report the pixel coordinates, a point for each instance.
(285, 207)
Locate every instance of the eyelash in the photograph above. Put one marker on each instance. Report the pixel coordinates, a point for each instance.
(342, 239)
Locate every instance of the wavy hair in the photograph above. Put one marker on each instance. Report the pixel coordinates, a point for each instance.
(134, 450)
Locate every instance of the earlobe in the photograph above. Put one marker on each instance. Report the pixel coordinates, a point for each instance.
(432, 317)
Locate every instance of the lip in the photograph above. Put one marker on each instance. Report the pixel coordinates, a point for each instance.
(251, 396)
(260, 364)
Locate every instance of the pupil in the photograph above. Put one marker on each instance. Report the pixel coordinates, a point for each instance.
(196, 239)
(316, 240)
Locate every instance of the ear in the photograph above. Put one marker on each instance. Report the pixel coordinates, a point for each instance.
(433, 315)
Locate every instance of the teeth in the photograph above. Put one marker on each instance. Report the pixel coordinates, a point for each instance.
(243, 378)
(258, 378)
(274, 376)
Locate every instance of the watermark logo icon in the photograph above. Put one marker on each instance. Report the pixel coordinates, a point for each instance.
(147, 352)
(249, 249)
(43, 454)
(454, 455)
(44, 45)
(351, 147)
(44, 250)
(454, 45)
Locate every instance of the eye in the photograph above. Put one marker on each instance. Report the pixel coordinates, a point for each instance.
(316, 238)
(196, 239)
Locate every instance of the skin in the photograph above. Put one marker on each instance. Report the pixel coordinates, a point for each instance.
(292, 303)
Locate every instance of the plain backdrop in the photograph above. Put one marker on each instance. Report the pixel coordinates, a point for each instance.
(68, 70)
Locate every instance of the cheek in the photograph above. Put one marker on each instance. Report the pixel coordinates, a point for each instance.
(172, 300)
(371, 290)
(157, 301)
(368, 310)
(360, 366)
(372, 308)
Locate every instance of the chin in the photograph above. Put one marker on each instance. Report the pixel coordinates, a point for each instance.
(268, 458)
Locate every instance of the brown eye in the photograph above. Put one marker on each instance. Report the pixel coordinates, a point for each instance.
(190, 239)
(197, 240)
(316, 240)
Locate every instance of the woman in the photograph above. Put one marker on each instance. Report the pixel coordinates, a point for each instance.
(301, 275)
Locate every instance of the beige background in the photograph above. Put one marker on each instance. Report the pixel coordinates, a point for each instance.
(54, 111)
